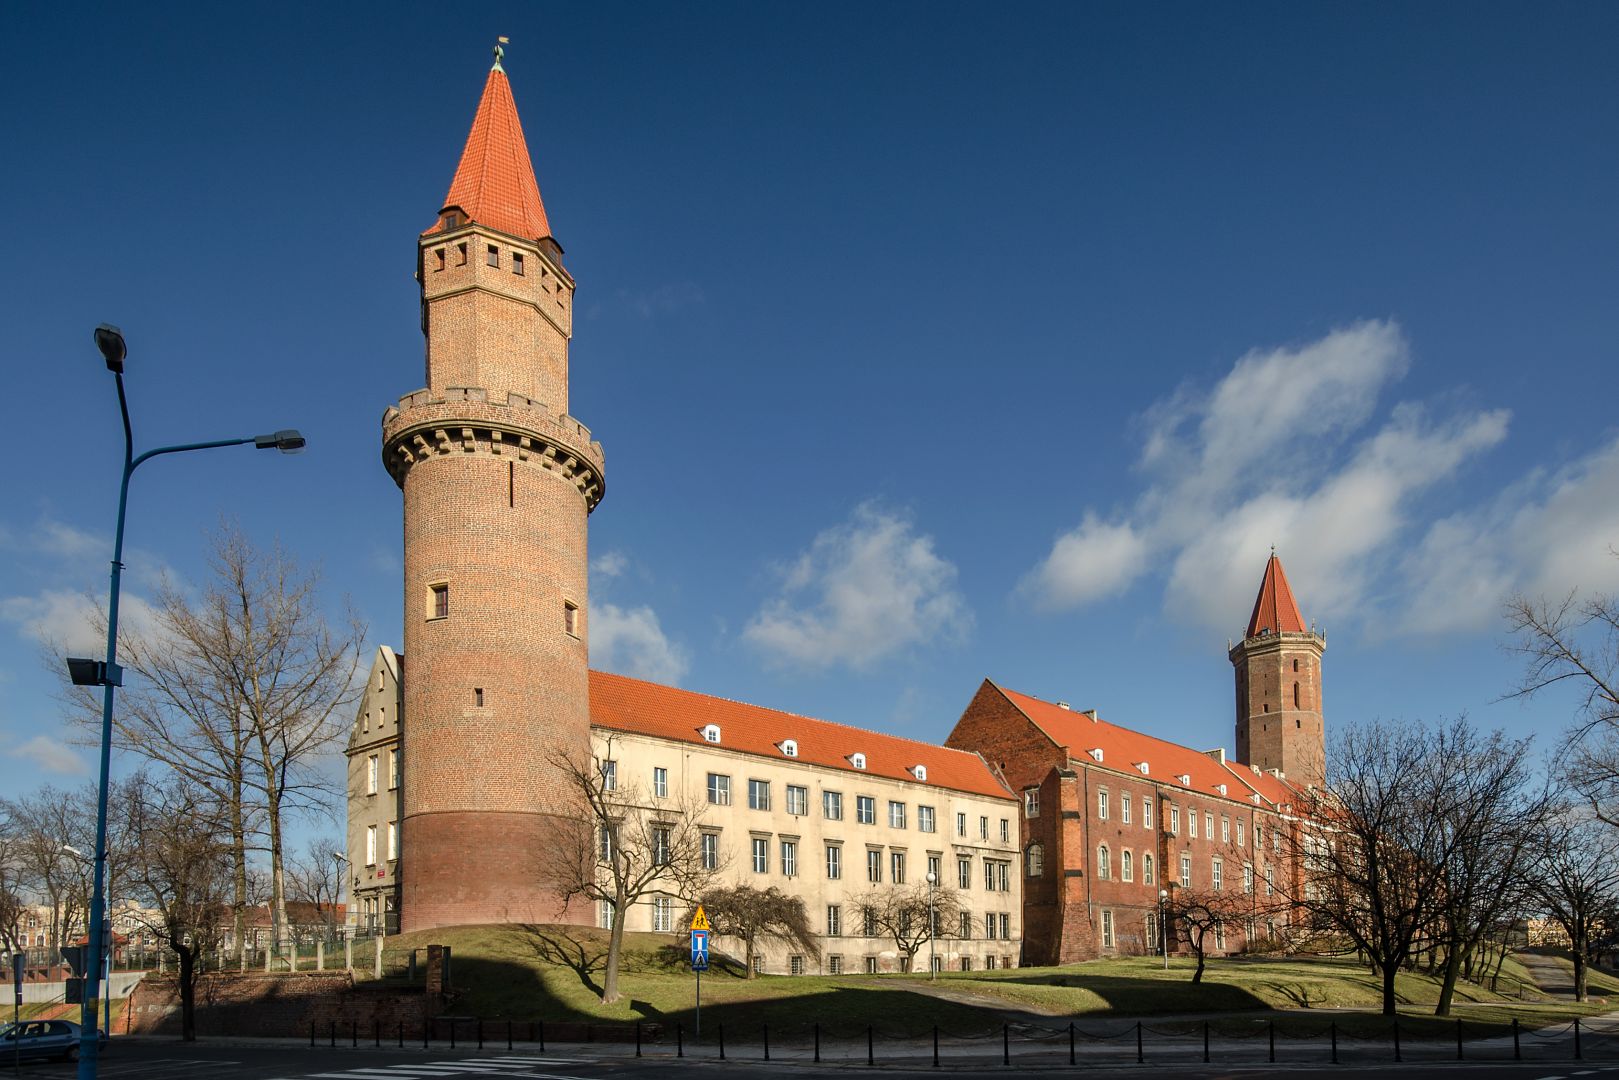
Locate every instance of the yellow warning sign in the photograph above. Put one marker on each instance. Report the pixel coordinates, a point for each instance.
(699, 921)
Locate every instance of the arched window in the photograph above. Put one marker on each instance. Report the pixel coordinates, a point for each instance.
(1103, 863)
(1295, 663)
(1295, 695)
(1127, 870)
(1146, 869)
(1037, 859)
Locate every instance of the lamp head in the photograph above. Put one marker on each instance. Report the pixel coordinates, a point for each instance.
(287, 441)
(110, 341)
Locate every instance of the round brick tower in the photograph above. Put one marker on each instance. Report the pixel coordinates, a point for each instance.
(498, 482)
(1280, 724)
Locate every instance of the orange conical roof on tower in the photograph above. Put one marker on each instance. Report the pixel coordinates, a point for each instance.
(1275, 611)
(494, 185)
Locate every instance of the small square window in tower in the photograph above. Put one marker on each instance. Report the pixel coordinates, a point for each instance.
(438, 601)
(494, 255)
(517, 263)
(570, 618)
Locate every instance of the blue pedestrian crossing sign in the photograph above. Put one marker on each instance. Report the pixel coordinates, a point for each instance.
(699, 950)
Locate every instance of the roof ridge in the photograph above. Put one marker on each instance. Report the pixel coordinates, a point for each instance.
(784, 712)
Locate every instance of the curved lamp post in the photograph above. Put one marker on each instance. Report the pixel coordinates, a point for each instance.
(1163, 924)
(933, 928)
(107, 673)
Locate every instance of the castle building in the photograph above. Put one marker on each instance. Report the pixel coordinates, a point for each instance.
(1054, 830)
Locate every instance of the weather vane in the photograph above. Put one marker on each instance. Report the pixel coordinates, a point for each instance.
(500, 52)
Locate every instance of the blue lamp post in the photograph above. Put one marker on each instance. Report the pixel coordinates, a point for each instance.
(107, 673)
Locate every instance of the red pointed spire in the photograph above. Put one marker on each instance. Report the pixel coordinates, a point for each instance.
(1275, 611)
(494, 185)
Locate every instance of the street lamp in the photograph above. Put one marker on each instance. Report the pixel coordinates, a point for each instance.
(108, 675)
(1163, 924)
(933, 928)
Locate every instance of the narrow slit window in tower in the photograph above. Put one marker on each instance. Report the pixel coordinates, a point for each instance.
(570, 617)
(440, 254)
(477, 696)
(494, 255)
(461, 254)
(1295, 695)
(517, 263)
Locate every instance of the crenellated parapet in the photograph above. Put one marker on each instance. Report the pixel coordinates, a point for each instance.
(464, 420)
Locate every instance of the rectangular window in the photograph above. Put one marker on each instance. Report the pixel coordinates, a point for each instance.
(517, 263)
(1270, 882)
(834, 964)
(797, 800)
(494, 255)
(789, 858)
(795, 965)
(1219, 875)
(964, 873)
(871, 963)
(370, 845)
(983, 828)
(1031, 803)
(371, 775)
(1101, 805)
(461, 254)
(1006, 831)
(660, 783)
(933, 870)
(1146, 811)
(966, 926)
(660, 845)
(393, 840)
(896, 867)
(1175, 820)
(832, 805)
(834, 921)
(477, 696)
(604, 910)
(663, 914)
(719, 789)
(1003, 875)
(989, 925)
(834, 861)
(440, 254)
(761, 855)
(1191, 823)
(570, 618)
(1124, 807)
(961, 824)
(1247, 878)
(609, 776)
(924, 819)
(393, 769)
(605, 841)
(865, 809)
(1225, 829)
(1146, 869)
(439, 601)
(1241, 832)
(1219, 935)
(1107, 929)
(711, 851)
(874, 866)
(896, 815)
(1208, 824)
(1186, 871)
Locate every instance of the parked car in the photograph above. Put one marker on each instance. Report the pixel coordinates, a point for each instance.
(42, 1038)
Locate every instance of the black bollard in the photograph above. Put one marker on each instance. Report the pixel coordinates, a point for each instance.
(680, 1040)
(720, 1032)
(333, 1034)
(1458, 1038)
(638, 1038)
(452, 1034)
(311, 1034)
(817, 1042)
(427, 1032)
(1517, 1051)
(1335, 1042)
(1577, 1055)
(480, 1033)
(871, 1052)
(1397, 1039)
(376, 1030)
(508, 1035)
(1273, 1042)
(767, 1041)
(1205, 1042)
(1070, 1043)
(354, 1033)
(935, 1046)
(1006, 1044)
(401, 1034)
(1141, 1056)
(542, 1036)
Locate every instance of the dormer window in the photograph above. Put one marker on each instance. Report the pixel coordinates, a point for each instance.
(857, 760)
(789, 747)
(1143, 768)
(1184, 779)
(711, 733)
(919, 771)
(1220, 788)
(1255, 798)
(452, 219)
(1095, 753)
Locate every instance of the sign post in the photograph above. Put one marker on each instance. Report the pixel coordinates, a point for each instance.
(17, 962)
(699, 958)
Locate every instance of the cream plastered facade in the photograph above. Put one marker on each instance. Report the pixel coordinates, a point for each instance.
(849, 951)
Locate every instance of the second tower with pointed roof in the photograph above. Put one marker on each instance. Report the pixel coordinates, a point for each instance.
(1280, 724)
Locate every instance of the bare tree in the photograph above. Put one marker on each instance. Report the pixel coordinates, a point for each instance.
(315, 882)
(11, 890)
(1370, 847)
(1576, 878)
(181, 875)
(626, 846)
(750, 915)
(51, 836)
(1492, 813)
(1202, 918)
(240, 691)
(1574, 642)
(909, 916)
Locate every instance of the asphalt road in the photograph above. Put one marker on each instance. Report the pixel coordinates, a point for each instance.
(158, 1059)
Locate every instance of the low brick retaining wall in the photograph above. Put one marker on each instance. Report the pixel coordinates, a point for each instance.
(255, 1004)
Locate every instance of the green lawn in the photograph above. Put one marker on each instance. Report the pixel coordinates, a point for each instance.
(554, 974)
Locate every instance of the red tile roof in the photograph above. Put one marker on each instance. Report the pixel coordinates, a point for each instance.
(618, 703)
(1275, 610)
(494, 184)
(1124, 750)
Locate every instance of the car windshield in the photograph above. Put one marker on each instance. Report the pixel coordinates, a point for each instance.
(8, 1031)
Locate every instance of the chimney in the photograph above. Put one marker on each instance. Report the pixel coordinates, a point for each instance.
(1092, 714)
(1218, 754)
(1063, 705)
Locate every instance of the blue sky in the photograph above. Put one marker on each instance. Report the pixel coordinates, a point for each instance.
(927, 342)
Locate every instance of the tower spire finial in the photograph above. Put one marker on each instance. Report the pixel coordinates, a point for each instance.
(500, 52)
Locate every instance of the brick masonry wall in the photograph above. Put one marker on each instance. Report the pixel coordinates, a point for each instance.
(1271, 731)
(277, 1006)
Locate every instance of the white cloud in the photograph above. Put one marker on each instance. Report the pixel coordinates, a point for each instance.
(630, 641)
(71, 620)
(51, 755)
(864, 589)
(609, 564)
(1280, 451)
